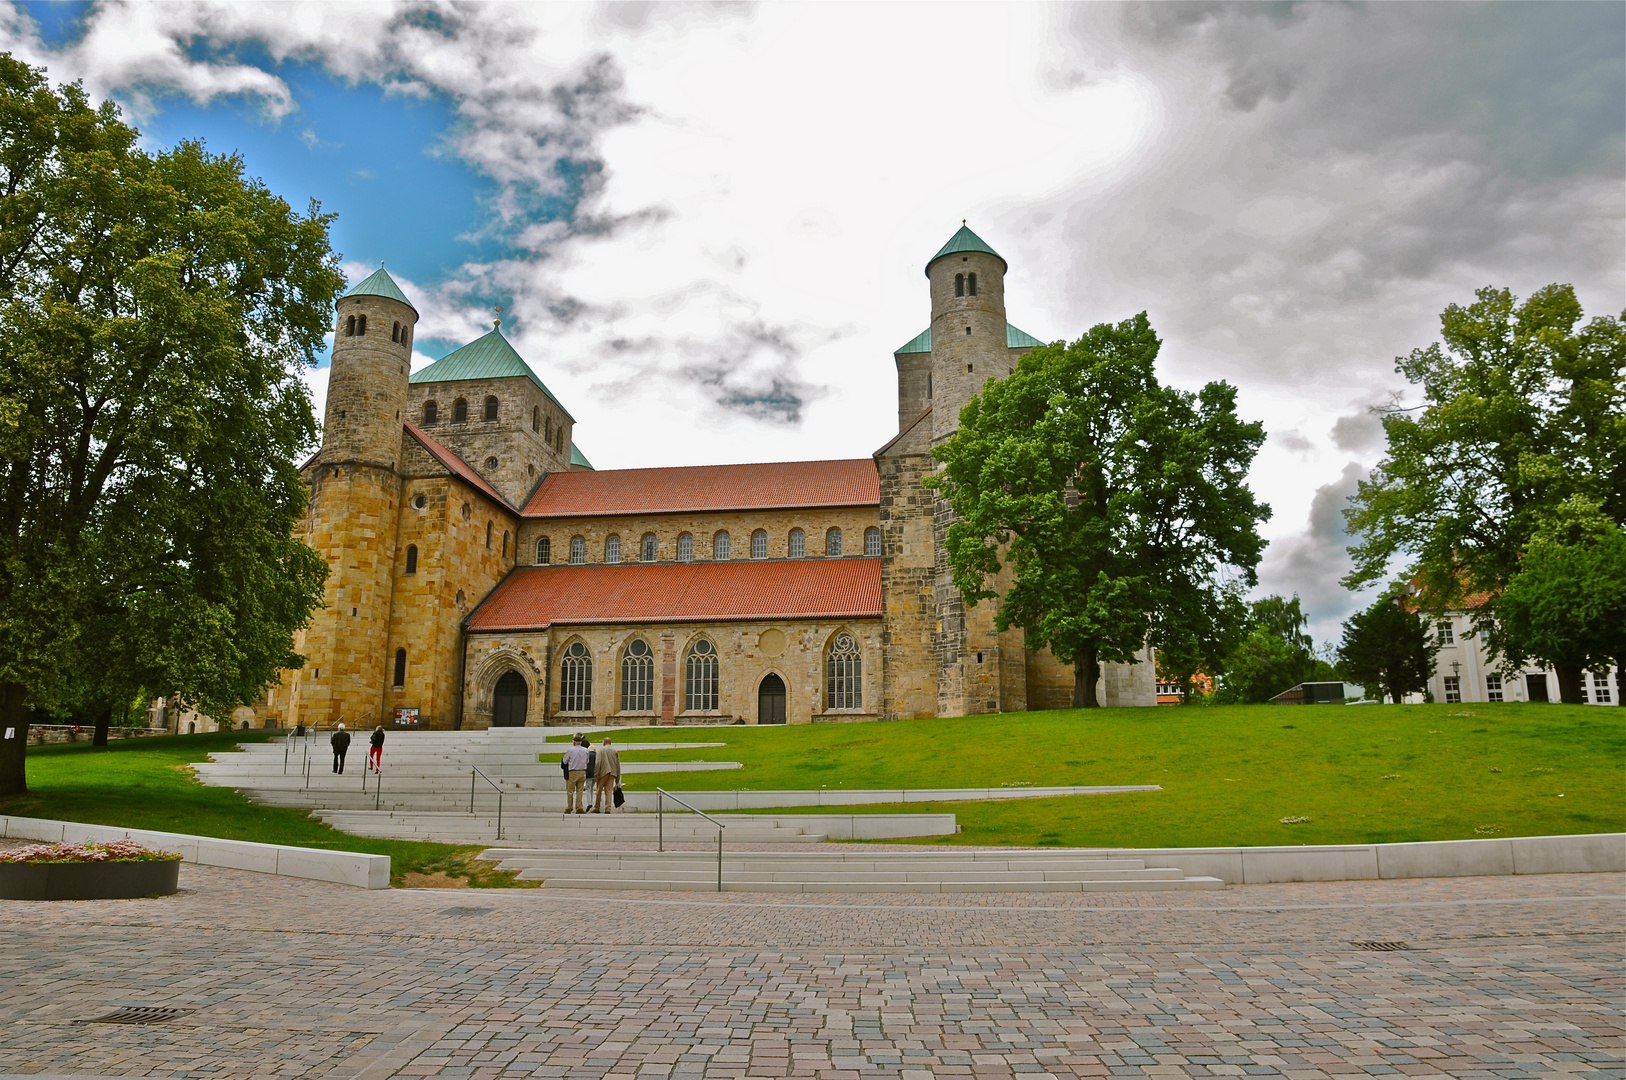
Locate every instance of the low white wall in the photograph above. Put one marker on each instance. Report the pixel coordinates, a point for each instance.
(644, 798)
(1587, 853)
(343, 867)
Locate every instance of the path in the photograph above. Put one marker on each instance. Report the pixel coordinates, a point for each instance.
(1511, 977)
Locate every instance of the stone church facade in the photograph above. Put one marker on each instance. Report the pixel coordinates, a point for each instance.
(482, 572)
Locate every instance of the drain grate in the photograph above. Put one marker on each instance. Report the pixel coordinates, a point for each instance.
(1382, 946)
(139, 1014)
(468, 911)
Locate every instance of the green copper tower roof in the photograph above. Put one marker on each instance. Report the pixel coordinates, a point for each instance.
(381, 284)
(963, 241)
(488, 357)
(1014, 339)
(577, 457)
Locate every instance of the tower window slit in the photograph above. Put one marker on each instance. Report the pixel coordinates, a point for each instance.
(971, 284)
(959, 284)
(412, 559)
(361, 325)
(350, 327)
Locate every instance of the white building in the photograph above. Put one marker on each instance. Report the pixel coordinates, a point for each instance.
(1464, 673)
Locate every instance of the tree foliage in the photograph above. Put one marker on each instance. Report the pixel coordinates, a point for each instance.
(1524, 410)
(1105, 496)
(1274, 653)
(155, 309)
(1390, 647)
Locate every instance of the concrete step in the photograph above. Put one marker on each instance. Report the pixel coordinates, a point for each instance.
(941, 886)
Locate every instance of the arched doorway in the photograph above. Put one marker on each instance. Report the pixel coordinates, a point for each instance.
(508, 701)
(771, 700)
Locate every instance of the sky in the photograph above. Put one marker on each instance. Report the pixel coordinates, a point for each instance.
(707, 224)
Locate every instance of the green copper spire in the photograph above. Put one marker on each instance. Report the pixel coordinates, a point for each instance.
(963, 241)
(381, 284)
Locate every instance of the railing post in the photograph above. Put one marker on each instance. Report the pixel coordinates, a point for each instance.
(719, 859)
(499, 813)
(660, 821)
(471, 789)
(378, 790)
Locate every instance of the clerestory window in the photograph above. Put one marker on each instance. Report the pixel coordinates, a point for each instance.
(720, 546)
(460, 411)
(798, 544)
(612, 548)
(685, 548)
(832, 542)
(544, 551)
(649, 547)
(872, 541)
(491, 408)
(431, 413)
(578, 550)
(759, 545)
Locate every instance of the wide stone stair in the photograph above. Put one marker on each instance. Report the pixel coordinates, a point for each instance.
(547, 828)
(815, 871)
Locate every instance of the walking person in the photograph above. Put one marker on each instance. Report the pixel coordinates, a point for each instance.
(341, 744)
(575, 765)
(375, 752)
(609, 778)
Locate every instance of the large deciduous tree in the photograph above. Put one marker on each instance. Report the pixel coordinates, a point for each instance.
(155, 310)
(1524, 409)
(1107, 496)
(1274, 654)
(1390, 647)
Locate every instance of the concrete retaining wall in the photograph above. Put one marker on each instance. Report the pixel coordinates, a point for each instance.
(343, 867)
(1586, 853)
(644, 799)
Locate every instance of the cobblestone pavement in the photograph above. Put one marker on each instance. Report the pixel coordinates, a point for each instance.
(1506, 977)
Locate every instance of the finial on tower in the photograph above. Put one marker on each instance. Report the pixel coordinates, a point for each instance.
(498, 320)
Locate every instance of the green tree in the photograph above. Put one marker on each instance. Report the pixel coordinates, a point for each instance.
(1200, 636)
(1274, 654)
(1389, 647)
(155, 309)
(1523, 409)
(1567, 605)
(1105, 495)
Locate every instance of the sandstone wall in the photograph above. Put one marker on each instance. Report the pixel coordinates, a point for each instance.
(777, 524)
(523, 456)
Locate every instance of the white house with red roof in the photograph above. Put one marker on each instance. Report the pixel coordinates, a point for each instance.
(482, 573)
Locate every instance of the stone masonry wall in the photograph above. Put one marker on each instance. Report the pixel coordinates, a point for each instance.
(908, 579)
(852, 521)
(792, 649)
(523, 456)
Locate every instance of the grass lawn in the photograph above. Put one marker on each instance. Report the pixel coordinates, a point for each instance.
(1360, 774)
(145, 784)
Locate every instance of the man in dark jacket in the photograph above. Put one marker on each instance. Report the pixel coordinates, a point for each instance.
(341, 743)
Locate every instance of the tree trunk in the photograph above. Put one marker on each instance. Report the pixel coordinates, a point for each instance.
(104, 720)
(1185, 689)
(13, 739)
(1086, 674)
(1571, 690)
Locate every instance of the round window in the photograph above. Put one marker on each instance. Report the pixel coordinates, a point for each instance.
(420, 502)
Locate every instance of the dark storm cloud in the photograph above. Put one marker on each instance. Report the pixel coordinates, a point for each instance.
(1311, 562)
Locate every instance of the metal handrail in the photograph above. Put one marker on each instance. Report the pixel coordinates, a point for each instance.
(660, 827)
(474, 770)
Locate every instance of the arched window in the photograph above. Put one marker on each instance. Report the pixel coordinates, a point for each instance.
(350, 327)
(431, 413)
(544, 551)
(505, 543)
(832, 542)
(759, 545)
(576, 679)
(488, 536)
(612, 548)
(637, 677)
(361, 325)
(798, 544)
(536, 418)
(971, 285)
(491, 408)
(547, 430)
(872, 541)
(959, 284)
(400, 669)
(650, 547)
(460, 411)
(720, 546)
(700, 678)
(412, 559)
(685, 548)
(578, 551)
(395, 332)
(406, 335)
(844, 674)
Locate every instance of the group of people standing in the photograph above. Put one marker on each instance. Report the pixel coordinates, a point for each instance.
(340, 742)
(582, 763)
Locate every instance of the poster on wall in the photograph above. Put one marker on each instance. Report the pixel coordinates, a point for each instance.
(406, 716)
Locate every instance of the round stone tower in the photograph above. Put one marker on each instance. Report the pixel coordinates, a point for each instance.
(968, 325)
(367, 385)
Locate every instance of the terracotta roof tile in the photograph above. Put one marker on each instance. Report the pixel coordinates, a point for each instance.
(535, 597)
(699, 488)
(456, 464)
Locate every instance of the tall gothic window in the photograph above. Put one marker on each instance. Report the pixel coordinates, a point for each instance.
(832, 542)
(798, 544)
(460, 411)
(544, 551)
(700, 678)
(759, 545)
(637, 677)
(578, 551)
(844, 674)
(685, 548)
(612, 548)
(872, 541)
(720, 546)
(491, 408)
(649, 547)
(430, 413)
(576, 679)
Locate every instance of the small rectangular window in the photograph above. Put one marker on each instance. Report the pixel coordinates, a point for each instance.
(1600, 689)
(1444, 629)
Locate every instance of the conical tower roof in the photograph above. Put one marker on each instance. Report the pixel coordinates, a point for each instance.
(489, 356)
(379, 283)
(963, 241)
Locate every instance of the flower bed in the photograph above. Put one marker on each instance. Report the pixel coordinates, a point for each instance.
(116, 870)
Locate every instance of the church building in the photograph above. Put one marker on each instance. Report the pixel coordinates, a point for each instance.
(483, 573)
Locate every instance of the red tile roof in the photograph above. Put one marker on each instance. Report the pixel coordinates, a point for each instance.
(456, 464)
(535, 597)
(697, 488)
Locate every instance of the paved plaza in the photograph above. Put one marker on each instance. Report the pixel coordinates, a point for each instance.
(1505, 977)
